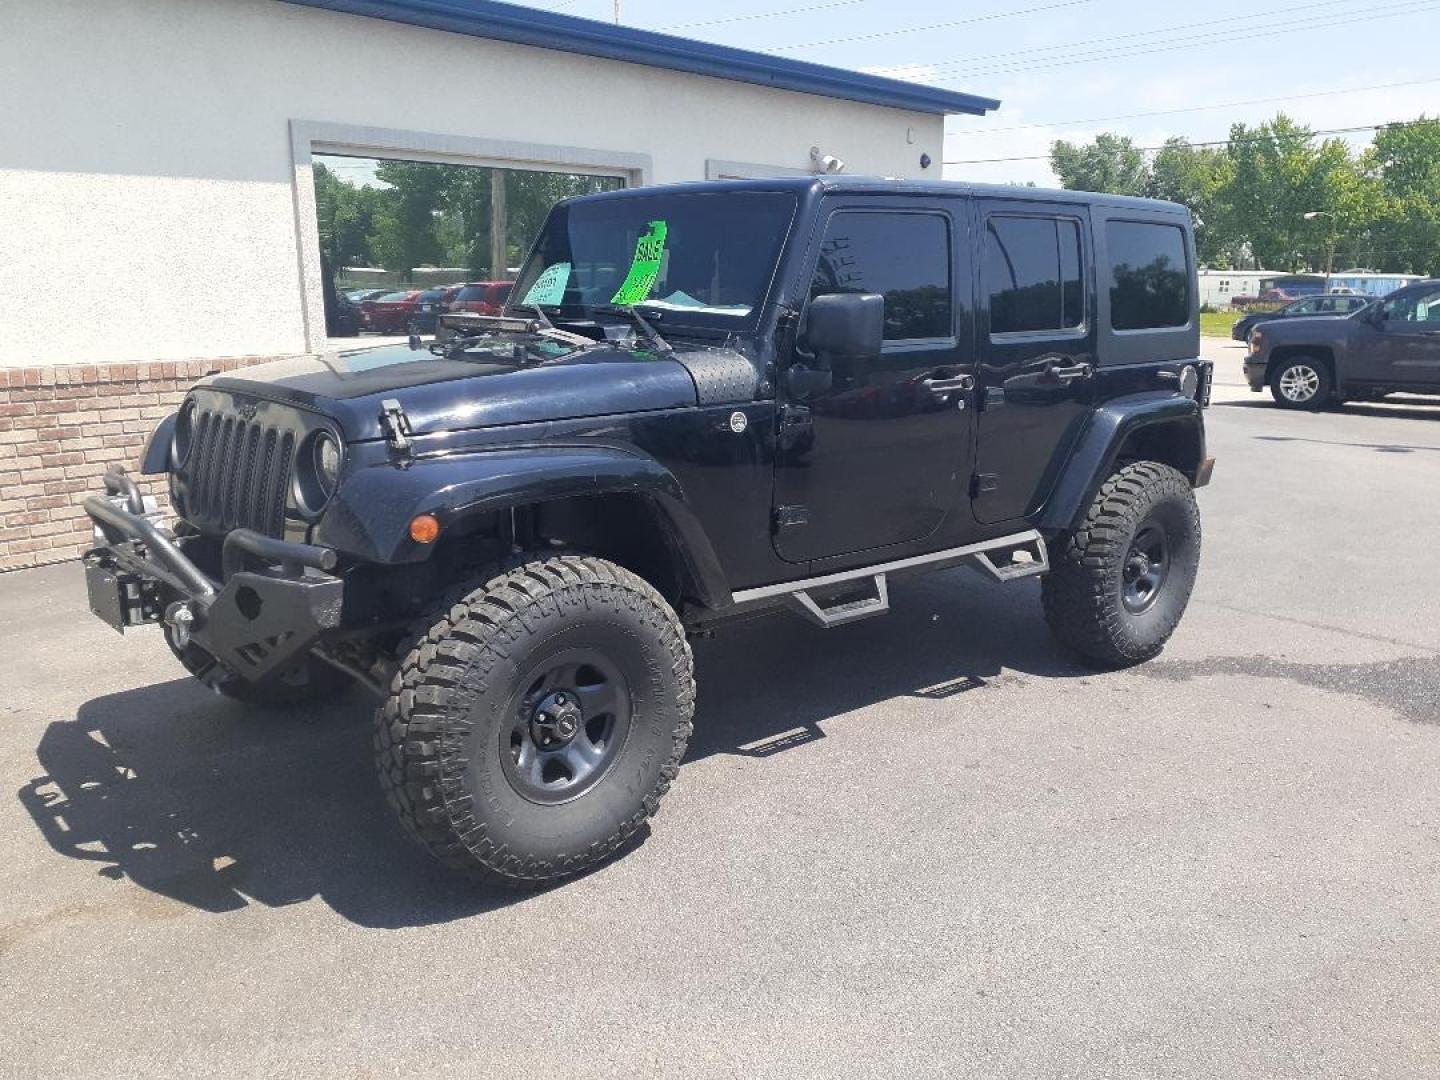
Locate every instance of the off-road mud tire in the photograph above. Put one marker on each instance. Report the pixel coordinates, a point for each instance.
(1083, 594)
(438, 734)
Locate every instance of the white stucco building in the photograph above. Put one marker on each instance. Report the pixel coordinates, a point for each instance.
(156, 193)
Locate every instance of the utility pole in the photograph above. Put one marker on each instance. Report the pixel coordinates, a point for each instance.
(617, 12)
(1334, 238)
(499, 253)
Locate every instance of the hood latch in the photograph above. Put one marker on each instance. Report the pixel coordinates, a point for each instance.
(396, 425)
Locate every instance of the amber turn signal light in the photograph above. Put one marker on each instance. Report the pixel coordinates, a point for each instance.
(424, 528)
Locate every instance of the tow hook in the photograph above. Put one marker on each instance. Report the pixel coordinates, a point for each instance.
(181, 621)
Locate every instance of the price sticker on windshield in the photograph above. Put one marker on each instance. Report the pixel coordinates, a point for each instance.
(645, 267)
(549, 287)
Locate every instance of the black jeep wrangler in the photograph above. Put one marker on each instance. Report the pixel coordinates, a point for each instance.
(701, 402)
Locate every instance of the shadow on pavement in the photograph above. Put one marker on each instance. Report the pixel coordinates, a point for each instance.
(1394, 408)
(218, 805)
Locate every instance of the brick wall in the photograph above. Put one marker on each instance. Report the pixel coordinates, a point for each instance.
(61, 427)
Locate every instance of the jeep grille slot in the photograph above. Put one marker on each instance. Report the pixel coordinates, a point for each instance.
(238, 473)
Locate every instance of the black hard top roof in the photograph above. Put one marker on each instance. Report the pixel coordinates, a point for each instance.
(871, 185)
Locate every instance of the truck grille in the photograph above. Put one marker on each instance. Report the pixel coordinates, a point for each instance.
(238, 472)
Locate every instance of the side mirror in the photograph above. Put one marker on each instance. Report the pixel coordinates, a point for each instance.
(842, 328)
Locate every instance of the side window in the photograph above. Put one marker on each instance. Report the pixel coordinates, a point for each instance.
(1032, 272)
(1420, 306)
(1304, 307)
(1149, 275)
(903, 257)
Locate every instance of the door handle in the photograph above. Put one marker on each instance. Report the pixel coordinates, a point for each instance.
(948, 385)
(1071, 373)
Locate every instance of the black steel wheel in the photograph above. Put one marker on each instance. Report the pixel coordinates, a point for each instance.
(1122, 579)
(536, 723)
(567, 728)
(1147, 564)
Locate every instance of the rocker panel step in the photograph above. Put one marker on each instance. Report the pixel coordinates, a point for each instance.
(847, 611)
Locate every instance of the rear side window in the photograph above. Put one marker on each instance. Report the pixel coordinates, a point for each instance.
(1032, 272)
(1149, 275)
(904, 257)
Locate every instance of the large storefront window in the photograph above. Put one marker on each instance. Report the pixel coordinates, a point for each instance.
(402, 240)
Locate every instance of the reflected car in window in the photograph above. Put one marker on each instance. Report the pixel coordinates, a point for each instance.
(389, 313)
(481, 297)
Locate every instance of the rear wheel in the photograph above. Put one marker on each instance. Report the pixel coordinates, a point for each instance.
(1122, 579)
(536, 724)
(1301, 382)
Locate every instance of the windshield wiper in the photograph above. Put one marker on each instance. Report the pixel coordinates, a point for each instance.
(628, 310)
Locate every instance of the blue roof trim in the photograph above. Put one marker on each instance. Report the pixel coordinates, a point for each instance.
(547, 30)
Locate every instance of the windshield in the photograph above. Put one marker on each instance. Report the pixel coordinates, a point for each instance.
(709, 258)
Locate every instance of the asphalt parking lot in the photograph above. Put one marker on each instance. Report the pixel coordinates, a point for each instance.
(928, 845)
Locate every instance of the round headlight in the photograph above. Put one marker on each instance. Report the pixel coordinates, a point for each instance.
(327, 462)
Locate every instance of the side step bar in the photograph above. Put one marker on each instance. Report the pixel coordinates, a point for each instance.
(826, 602)
(845, 610)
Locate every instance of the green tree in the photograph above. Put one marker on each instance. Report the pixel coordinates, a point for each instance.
(405, 234)
(345, 215)
(1403, 163)
(1112, 164)
(1280, 175)
(1199, 178)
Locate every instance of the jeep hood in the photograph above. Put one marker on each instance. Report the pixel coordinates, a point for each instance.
(440, 393)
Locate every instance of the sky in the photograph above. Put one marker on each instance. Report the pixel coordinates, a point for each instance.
(1060, 65)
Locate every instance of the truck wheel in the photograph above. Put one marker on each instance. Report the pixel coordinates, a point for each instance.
(1122, 579)
(308, 681)
(534, 727)
(1301, 382)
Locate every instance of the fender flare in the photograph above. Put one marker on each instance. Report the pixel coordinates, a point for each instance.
(155, 458)
(371, 514)
(1096, 450)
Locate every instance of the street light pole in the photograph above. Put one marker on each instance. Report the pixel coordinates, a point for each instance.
(1334, 238)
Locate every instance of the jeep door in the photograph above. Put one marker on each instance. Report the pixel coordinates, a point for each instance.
(881, 457)
(1036, 347)
(1406, 351)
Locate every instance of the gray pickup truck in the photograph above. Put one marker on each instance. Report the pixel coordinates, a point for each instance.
(1391, 346)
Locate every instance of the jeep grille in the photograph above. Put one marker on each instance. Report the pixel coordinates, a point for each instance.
(238, 471)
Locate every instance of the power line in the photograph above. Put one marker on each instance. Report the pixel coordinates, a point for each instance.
(1192, 108)
(934, 26)
(1066, 46)
(1217, 142)
(763, 15)
(1193, 42)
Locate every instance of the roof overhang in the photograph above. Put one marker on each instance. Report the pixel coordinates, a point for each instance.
(565, 33)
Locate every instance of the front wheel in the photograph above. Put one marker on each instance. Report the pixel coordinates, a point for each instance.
(1301, 383)
(535, 726)
(1122, 579)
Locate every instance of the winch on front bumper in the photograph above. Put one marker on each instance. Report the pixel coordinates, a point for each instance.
(270, 603)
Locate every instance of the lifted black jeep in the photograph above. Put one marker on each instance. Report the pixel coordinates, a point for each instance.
(701, 401)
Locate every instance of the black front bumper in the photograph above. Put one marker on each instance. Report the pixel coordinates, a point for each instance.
(269, 604)
(1255, 372)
